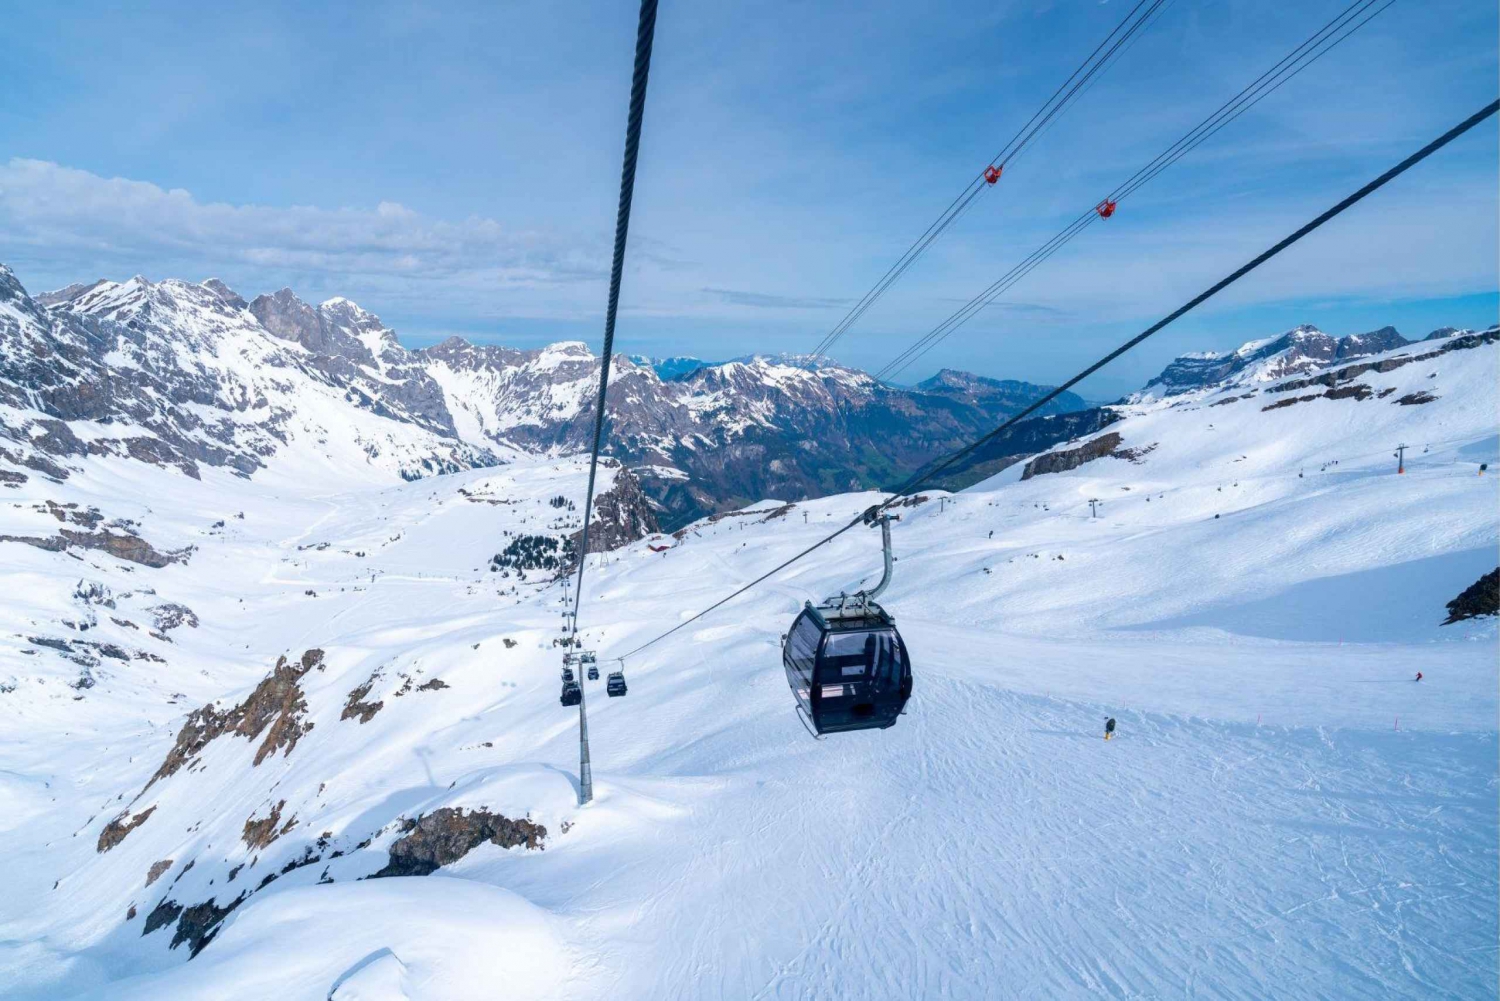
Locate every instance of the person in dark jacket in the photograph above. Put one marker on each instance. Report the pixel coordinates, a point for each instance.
(1109, 728)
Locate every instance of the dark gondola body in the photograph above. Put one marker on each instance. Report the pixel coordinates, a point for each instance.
(615, 686)
(847, 668)
(571, 693)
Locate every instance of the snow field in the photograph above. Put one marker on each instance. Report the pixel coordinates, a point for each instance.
(991, 844)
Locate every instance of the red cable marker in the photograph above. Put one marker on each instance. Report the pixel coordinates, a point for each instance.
(992, 174)
(1105, 208)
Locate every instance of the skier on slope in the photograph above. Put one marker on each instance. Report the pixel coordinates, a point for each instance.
(1419, 675)
(1109, 728)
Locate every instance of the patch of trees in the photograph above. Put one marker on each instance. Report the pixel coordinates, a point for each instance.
(535, 552)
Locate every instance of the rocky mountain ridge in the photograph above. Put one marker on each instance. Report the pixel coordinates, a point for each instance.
(187, 374)
(1298, 351)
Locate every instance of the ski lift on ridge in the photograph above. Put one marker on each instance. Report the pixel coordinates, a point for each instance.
(992, 174)
(1105, 208)
(845, 660)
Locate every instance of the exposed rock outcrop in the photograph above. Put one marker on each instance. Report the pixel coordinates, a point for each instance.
(1072, 458)
(622, 515)
(1480, 598)
(357, 708)
(128, 547)
(1108, 444)
(260, 832)
(115, 831)
(448, 834)
(196, 925)
(172, 615)
(276, 708)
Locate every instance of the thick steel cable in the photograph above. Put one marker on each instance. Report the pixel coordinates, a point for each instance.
(1258, 89)
(1039, 121)
(645, 34)
(1197, 300)
(916, 480)
(1299, 59)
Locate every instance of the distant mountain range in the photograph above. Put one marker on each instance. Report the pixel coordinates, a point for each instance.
(192, 374)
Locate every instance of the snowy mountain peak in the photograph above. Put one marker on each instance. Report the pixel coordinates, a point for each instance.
(1299, 350)
(226, 295)
(564, 351)
(337, 327)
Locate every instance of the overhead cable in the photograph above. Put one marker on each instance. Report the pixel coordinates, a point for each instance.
(928, 474)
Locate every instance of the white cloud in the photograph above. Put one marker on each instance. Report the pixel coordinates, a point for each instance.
(58, 215)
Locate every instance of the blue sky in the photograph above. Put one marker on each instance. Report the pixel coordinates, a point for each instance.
(454, 168)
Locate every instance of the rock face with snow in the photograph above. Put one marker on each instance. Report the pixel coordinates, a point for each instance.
(715, 436)
(192, 374)
(185, 375)
(354, 350)
(1299, 350)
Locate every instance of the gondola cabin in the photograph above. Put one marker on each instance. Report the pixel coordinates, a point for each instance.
(847, 667)
(615, 685)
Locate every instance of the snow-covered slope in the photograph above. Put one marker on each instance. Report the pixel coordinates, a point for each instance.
(1285, 812)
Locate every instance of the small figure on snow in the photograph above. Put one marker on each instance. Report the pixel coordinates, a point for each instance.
(1109, 728)
(1419, 675)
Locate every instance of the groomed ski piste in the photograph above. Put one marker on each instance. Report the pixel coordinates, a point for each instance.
(1284, 812)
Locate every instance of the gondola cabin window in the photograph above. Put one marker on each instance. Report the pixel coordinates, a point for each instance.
(801, 655)
(872, 656)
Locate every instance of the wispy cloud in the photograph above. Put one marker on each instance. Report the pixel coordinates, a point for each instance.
(766, 300)
(57, 212)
